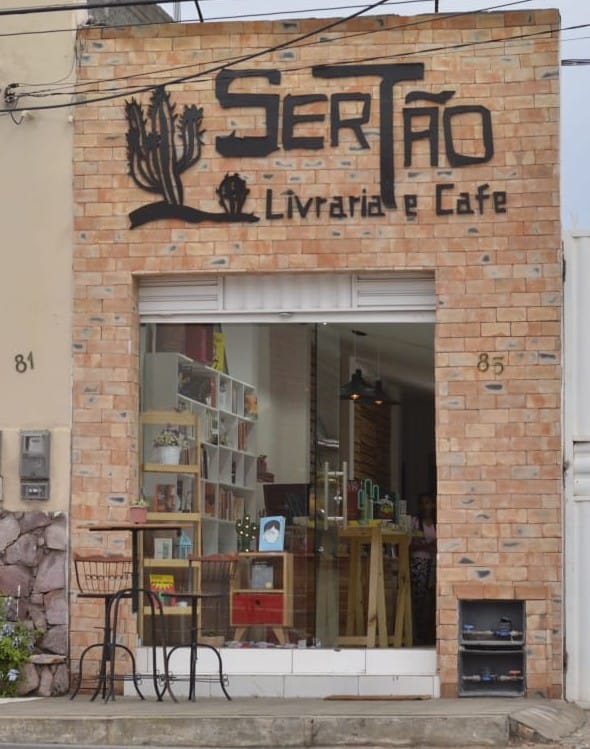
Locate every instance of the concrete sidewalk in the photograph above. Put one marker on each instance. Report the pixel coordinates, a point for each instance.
(251, 722)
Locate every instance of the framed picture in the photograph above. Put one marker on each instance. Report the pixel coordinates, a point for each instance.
(162, 548)
(272, 533)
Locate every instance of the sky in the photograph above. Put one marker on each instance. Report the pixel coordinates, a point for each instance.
(575, 79)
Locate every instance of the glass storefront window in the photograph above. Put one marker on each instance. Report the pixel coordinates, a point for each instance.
(305, 431)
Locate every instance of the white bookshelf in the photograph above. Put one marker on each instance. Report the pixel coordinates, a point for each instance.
(227, 411)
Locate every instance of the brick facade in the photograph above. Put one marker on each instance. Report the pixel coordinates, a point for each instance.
(497, 271)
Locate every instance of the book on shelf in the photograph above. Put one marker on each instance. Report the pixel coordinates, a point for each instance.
(204, 462)
(165, 498)
(209, 504)
(163, 583)
(242, 435)
(224, 503)
(251, 405)
(212, 429)
(238, 507)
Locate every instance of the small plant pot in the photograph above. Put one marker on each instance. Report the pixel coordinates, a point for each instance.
(138, 514)
(168, 454)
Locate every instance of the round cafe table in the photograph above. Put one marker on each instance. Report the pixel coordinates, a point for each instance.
(136, 530)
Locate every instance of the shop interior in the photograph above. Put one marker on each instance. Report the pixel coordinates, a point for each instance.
(314, 443)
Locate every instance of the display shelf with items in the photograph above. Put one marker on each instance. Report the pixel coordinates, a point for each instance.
(172, 493)
(491, 648)
(227, 411)
(262, 594)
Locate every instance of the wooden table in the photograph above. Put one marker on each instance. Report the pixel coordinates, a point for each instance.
(135, 529)
(369, 629)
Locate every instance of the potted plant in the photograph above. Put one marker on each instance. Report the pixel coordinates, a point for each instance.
(138, 510)
(169, 444)
(17, 642)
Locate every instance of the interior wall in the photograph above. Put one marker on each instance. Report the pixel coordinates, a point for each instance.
(289, 391)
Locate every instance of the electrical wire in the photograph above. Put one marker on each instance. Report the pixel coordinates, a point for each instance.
(224, 64)
(76, 87)
(93, 5)
(215, 19)
(239, 17)
(81, 6)
(236, 17)
(243, 58)
(291, 69)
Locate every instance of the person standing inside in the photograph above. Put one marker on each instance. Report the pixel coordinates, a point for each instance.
(423, 570)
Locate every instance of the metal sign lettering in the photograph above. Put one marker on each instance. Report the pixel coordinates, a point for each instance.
(162, 146)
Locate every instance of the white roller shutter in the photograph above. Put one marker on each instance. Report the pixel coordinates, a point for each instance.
(282, 296)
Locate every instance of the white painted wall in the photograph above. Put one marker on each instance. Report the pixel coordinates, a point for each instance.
(577, 466)
(36, 279)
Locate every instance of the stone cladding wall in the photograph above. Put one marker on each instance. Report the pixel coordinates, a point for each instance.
(497, 272)
(33, 565)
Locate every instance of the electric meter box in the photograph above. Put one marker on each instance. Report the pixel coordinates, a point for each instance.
(34, 464)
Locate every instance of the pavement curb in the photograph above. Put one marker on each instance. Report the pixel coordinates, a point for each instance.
(293, 723)
(249, 731)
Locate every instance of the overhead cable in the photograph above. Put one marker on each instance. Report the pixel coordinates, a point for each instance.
(219, 65)
(233, 60)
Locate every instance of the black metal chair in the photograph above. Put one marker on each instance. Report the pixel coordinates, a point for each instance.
(216, 573)
(104, 577)
(158, 639)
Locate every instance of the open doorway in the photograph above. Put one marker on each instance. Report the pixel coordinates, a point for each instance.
(281, 438)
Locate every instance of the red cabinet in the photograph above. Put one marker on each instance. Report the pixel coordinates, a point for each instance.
(257, 608)
(262, 593)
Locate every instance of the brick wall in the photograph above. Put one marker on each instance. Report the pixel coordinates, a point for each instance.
(498, 274)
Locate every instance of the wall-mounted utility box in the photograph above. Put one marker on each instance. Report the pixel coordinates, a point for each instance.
(492, 648)
(34, 464)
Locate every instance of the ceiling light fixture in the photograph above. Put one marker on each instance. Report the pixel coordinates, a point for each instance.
(357, 388)
(380, 396)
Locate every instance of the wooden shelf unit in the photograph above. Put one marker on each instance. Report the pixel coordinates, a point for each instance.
(172, 492)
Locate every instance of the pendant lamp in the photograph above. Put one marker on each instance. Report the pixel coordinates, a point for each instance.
(356, 388)
(379, 395)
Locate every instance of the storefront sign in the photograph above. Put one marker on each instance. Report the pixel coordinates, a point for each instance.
(163, 145)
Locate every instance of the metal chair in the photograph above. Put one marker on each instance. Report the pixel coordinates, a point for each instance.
(104, 577)
(160, 680)
(216, 572)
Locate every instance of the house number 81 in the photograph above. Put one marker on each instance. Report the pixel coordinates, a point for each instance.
(486, 362)
(22, 363)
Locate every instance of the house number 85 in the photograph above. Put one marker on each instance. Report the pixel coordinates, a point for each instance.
(486, 362)
(23, 363)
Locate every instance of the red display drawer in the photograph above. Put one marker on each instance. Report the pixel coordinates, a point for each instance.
(257, 608)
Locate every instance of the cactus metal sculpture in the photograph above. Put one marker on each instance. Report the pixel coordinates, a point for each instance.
(160, 147)
(232, 193)
(154, 163)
